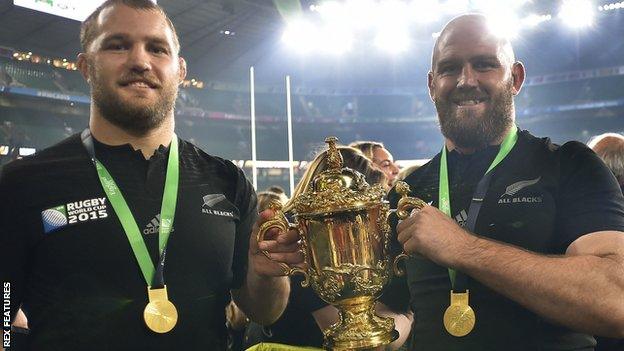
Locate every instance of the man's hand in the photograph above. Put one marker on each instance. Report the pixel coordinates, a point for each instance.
(282, 248)
(265, 293)
(431, 233)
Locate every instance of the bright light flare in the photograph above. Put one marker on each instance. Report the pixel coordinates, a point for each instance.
(577, 13)
(503, 23)
(301, 36)
(393, 41)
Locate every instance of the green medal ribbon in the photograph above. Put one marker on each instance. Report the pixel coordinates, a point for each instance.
(167, 210)
(444, 199)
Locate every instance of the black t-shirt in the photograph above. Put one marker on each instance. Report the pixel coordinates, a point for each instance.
(70, 264)
(541, 197)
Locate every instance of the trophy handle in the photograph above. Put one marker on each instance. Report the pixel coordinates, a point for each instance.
(280, 222)
(404, 208)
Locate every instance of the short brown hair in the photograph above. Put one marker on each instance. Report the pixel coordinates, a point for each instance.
(88, 28)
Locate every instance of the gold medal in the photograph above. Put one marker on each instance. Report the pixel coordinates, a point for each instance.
(459, 318)
(160, 314)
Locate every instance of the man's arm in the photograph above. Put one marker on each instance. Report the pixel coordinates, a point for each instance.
(583, 289)
(264, 294)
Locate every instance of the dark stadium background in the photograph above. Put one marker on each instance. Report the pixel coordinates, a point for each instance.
(575, 86)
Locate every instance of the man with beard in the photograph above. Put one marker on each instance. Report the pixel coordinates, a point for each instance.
(521, 247)
(87, 223)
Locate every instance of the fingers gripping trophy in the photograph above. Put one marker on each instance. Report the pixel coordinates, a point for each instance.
(343, 224)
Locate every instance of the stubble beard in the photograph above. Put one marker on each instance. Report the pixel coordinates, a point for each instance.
(472, 131)
(136, 119)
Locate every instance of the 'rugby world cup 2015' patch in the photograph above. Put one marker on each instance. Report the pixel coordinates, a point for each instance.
(74, 213)
(54, 218)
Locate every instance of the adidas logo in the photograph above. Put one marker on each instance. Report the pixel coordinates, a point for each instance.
(154, 226)
(461, 218)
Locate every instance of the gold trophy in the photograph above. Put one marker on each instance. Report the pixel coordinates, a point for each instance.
(345, 236)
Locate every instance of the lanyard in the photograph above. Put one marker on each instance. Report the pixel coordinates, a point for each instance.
(153, 276)
(459, 281)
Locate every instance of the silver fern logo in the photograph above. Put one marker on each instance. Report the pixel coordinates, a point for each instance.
(515, 187)
(509, 197)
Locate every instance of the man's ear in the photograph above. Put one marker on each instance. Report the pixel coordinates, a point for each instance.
(431, 85)
(83, 66)
(182, 63)
(517, 74)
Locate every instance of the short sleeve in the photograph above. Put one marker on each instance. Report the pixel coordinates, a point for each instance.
(247, 202)
(589, 198)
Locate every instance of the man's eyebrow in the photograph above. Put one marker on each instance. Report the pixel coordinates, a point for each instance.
(488, 57)
(157, 40)
(114, 37)
(149, 39)
(446, 61)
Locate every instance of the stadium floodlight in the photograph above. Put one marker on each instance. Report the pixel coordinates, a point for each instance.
(533, 20)
(577, 13)
(301, 36)
(503, 23)
(360, 14)
(423, 12)
(454, 7)
(393, 41)
(335, 39)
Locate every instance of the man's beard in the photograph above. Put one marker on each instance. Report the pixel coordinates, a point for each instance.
(473, 131)
(133, 118)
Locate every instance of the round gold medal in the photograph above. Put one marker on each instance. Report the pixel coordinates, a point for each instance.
(459, 320)
(160, 316)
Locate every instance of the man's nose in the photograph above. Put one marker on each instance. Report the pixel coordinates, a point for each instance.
(394, 168)
(467, 78)
(139, 60)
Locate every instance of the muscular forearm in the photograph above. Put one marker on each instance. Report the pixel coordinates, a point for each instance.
(263, 298)
(583, 292)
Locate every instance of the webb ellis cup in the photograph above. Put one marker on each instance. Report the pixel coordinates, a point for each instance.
(344, 233)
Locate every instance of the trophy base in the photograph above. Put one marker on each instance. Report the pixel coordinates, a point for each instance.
(358, 327)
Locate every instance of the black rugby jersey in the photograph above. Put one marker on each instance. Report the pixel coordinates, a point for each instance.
(71, 266)
(541, 197)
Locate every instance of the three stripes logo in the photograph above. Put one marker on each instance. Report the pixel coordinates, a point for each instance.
(461, 218)
(154, 226)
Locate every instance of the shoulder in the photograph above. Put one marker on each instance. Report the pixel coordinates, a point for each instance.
(543, 149)
(420, 180)
(222, 175)
(45, 162)
(201, 161)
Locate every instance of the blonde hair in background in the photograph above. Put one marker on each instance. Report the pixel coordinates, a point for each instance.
(367, 147)
(266, 197)
(610, 148)
(352, 158)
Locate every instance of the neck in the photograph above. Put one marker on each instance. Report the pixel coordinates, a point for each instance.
(110, 134)
(450, 145)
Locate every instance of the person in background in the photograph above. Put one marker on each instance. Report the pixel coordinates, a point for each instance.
(610, 148)
(381, 157)
(307, 315)
(279, 191)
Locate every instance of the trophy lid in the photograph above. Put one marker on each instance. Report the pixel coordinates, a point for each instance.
(337, 189)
